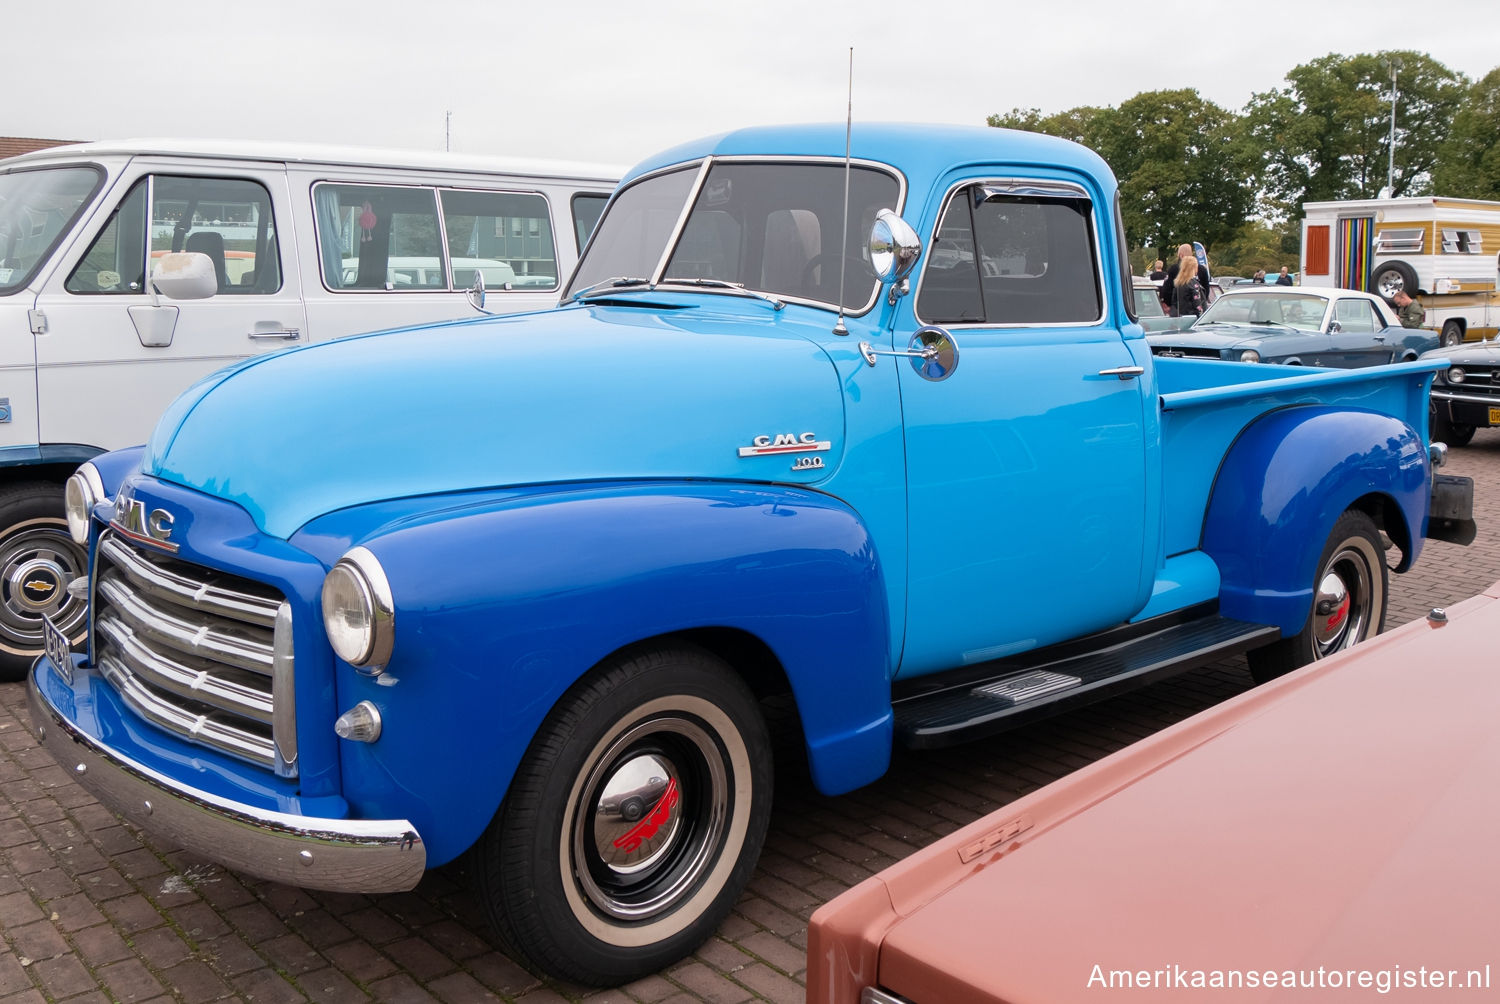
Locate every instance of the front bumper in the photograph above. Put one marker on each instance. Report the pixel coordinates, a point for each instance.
(1466, 409)
(342, 855)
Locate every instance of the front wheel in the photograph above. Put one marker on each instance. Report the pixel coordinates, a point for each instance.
(634, 821)
(37, 561)
(1440, 430)
(1349, 600)
(1453, 334)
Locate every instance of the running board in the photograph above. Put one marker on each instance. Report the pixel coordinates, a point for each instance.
(1015, 694)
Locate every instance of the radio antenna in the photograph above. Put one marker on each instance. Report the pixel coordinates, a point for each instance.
(839, 328)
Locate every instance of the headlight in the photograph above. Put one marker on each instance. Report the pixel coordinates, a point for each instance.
(358, 612)
(1455, 375)
(84, 490)
(1249, 356)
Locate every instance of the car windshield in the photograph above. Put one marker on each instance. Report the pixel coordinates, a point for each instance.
(773, 227)
(1303, 311)
(1148, 303)
(36, 208)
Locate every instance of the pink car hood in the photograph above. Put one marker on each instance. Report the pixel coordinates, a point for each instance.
(1345, 818)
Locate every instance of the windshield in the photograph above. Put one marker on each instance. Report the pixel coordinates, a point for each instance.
(773, 227)
(36, 208)
(1148, 303)
(1303, 311)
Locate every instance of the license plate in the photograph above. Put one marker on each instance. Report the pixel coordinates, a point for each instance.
(59, 652)
(1495, 416)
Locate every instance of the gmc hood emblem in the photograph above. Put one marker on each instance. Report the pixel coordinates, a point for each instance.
(154, 528)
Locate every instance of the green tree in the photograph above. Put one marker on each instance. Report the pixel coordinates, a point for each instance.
(1184, 169)
(1469, 160)
(1326, 135)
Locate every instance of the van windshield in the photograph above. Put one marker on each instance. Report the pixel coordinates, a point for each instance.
(37, 207)
(775, 227)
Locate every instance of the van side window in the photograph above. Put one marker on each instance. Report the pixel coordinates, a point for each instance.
(587, 208)
(227, 219)
(506, 236)
(379, 237)
(1002, 258)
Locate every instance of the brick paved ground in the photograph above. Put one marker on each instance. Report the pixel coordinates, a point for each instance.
(93, 911)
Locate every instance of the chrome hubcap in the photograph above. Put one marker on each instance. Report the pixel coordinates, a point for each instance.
(36, 564)
(1341, 608)
(653, 814)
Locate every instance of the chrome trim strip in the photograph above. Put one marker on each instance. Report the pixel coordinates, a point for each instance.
(681, 224)
(203, 685)
(168, 585)
(340, 855)
(201, 728)
(1447, 395)
(284, 691)
(183, 635)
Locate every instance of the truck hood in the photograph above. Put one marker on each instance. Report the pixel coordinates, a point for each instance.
(581, 393)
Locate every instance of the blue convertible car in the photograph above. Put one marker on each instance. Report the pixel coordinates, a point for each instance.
(1298, 326)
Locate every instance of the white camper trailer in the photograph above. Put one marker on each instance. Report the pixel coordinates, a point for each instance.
(1445, 253)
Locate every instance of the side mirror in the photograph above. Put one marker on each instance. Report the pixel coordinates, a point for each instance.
(185, 275)
(894, 247)
(1334, 327)
(476, 292)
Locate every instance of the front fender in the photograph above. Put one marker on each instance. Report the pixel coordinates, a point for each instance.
(503, 605)
(1282, 485)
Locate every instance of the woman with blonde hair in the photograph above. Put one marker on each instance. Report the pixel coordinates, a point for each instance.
(1189, 297)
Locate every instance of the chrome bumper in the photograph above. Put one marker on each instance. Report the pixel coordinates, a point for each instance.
(342, 855)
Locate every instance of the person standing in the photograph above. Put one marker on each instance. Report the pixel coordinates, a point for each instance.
(1169, 284)
(1158, 271)
(1410, 311)
(1282, 279)
(1260, 277)
(1189, 297)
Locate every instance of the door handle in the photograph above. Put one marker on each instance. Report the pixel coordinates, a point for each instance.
(1124, 372)
(285, 334)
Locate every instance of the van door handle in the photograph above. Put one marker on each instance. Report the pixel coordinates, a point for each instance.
(285, 334)
(1124, 372)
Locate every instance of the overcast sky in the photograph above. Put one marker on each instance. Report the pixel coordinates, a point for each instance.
(612, 82)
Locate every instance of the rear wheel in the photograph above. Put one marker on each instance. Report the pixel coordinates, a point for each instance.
(634, 821)
(37, 561)
(1349, 600)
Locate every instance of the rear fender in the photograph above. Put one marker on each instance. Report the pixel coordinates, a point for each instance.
(502, 606)
(1284, 482)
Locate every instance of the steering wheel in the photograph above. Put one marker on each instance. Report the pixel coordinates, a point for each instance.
(856, 269)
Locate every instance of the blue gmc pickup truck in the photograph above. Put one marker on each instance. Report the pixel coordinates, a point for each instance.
(869, 425)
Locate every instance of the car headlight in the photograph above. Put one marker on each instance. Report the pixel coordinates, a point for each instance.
(1249, 356)
(358, 612)
(84, 490)
(1455, 375)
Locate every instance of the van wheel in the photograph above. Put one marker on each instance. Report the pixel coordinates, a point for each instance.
(1349, 600)
(1453, 334)
(634, 821)
(1391, 277)
(37, 561)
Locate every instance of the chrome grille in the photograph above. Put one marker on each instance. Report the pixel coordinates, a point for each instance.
(200, 653)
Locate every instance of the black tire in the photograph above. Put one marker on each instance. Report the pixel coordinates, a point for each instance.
(1440, 430)
(610, 900)
(1350, 591)
(37, 561)
(1390, 277)
(1453, 334)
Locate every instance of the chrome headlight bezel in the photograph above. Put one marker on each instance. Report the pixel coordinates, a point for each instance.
(83, 490)
(1249, 356)
(359, 614)
(1455, 374)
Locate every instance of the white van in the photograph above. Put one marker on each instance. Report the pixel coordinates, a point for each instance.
(306, 244)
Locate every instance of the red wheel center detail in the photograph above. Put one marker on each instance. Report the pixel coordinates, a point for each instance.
(655, 820)
(1337, 617)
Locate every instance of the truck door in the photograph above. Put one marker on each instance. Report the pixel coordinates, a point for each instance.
(111, 358)
(1026, 469)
